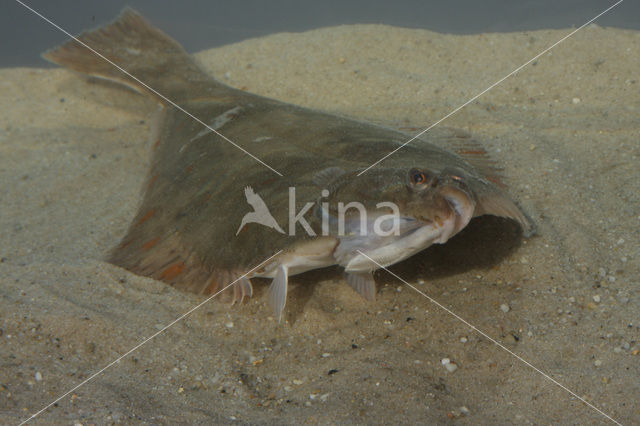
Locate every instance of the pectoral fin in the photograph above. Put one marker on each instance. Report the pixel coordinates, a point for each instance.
(363, 284)
(278, 291)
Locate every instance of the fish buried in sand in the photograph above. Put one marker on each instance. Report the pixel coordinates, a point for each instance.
(210, 212)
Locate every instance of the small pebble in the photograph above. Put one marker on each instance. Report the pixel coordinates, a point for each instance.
(575, 101)
(510, 339)
(505, 308)
(38, 376)
(229, 325)
(597, 363)
(463, 339)
(572, 299)
(596, 298)
(449, 365)
(464, 410)
(326, 355)
(297, 382)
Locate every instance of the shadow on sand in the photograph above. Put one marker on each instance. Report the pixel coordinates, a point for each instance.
(481, 245)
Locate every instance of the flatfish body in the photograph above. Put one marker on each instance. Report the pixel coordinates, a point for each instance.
(192, 230)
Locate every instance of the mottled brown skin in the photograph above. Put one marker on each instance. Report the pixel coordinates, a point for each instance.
(184, 231)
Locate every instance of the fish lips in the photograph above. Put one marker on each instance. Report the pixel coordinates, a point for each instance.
(463, 205)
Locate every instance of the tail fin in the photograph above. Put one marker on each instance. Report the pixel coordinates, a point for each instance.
(137, 55)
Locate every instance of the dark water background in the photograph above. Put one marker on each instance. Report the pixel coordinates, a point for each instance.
(202, 24)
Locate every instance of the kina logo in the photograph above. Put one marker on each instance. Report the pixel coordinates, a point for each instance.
(260, 213)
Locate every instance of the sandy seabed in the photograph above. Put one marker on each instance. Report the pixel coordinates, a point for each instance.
(566, 129)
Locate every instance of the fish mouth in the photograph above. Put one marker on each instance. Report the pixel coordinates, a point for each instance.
(462, 203)
(369, 253)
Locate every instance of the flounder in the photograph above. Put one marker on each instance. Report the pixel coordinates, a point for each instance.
(210, 212)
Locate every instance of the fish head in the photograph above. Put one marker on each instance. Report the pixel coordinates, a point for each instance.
(405, 211)
(441, 199)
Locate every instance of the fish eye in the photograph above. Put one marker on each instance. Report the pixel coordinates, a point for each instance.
(417, 177)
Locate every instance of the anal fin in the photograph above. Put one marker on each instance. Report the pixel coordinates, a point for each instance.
(363, 284)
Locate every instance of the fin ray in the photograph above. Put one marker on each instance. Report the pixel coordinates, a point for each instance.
(475, 154)
(278, 291)
(363, 284)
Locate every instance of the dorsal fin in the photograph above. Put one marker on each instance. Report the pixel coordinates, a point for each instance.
(474, 153)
